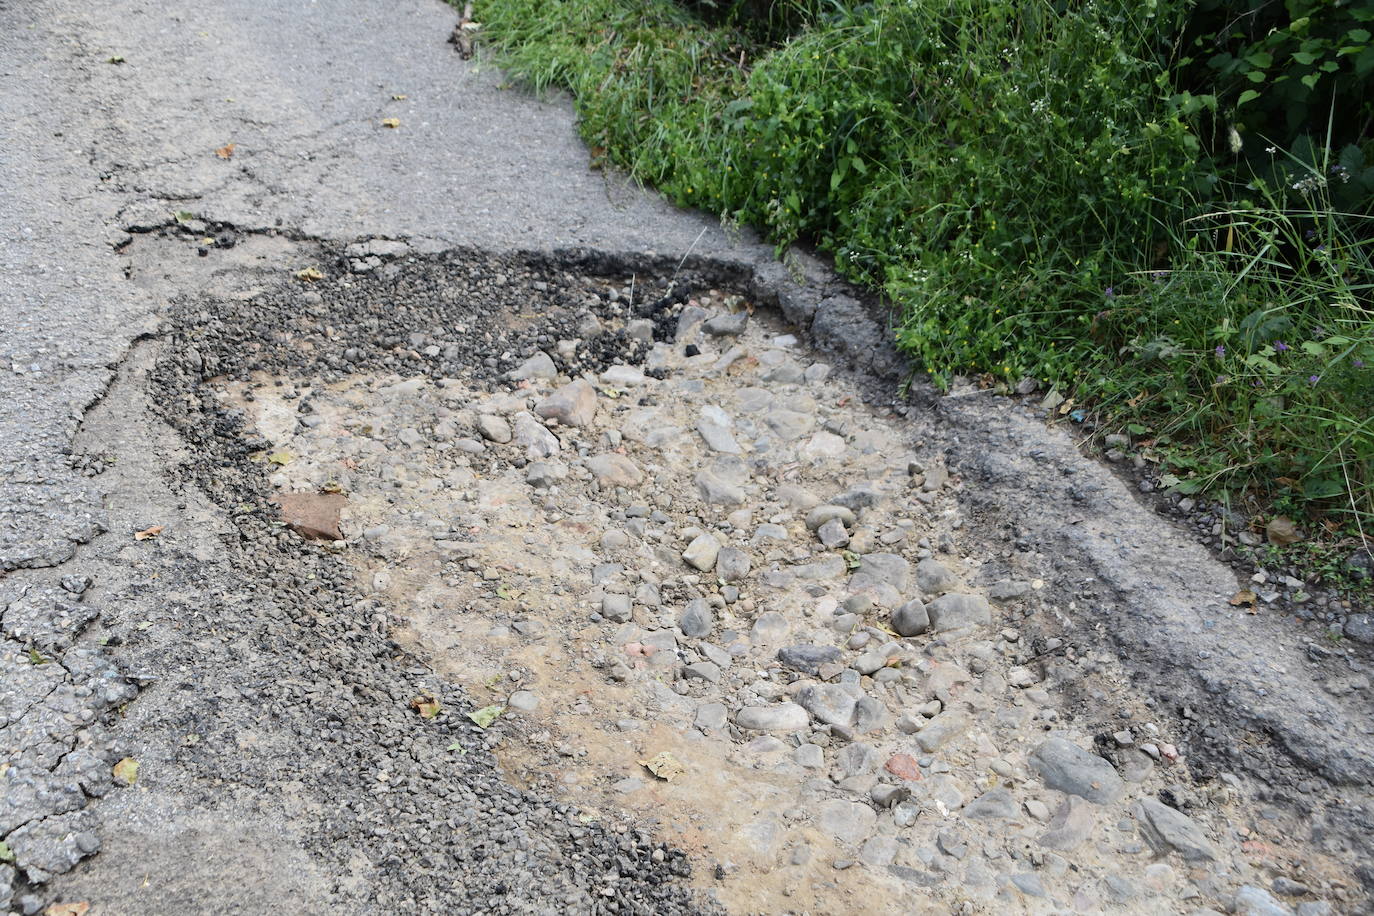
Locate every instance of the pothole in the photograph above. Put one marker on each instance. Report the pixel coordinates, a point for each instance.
(662, 538)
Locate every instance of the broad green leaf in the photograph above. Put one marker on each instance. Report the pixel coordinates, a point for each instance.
(486, 715)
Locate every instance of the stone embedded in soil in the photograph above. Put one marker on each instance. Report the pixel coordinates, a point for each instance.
(572, 405)
(1065, 766)
(732, 564)
(933, 577)
(717, 437)
(784, 717)
(1070, 827)
(807, 658)
(494, 429)
(941, 730)
(833, 534)
(314, 516)
(903, 766)
(716, 490)
(540, 365)
(829, 703)
(848, 822)
(911, 618)
(613, 470)
(711, 716)
(1169, 828)
(702, 552)
(954, 612)
(882, 578)
(696, 619)
(994, 804)
(820, 515)
(523, 701)
(726, 325)
(616, 608)
(535, 437)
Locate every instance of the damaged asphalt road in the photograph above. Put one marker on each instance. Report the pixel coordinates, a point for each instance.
(270, 711)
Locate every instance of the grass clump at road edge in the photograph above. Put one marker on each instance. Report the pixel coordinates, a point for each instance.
(1026, 186)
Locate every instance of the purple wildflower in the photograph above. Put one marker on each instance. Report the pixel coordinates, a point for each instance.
(1111, 292)
(1313, 379)
(1280, 346)
(1358, 364)
(1221, 351)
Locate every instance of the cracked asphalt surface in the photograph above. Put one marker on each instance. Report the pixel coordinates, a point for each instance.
(107, 155)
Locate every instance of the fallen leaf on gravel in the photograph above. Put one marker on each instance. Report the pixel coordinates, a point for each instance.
(664, 765)
(67, 909)
(310, 274)
(226, 151)
(147, 533)
(904, 766)
(457, 746)
(6, 854)
(399, 97)
(116, 59)
(427, 706)
(1282, 531)
(126, 771)
(486, 715)
(183, 216)
(279, 457)
(1244, 596)
(391, 122)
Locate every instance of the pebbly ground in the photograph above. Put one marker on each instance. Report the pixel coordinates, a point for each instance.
(273, 696)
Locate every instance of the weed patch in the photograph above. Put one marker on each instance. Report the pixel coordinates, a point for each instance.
(1036, 192)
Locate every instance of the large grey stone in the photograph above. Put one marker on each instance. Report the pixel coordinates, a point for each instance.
(696, 619)
(784, 717)
(732, 564)
(572, 405)
(1071, 825)
(829, 703)
(941, 730)
(807, 658)
(882, 577)
(1256, 901)
(1168, 828)
(848, 822)
(494, 428)
(540, 365)
(993, 805)
(819, 515)
(702, 552)
(933, 577)
(1065, 766)
(953, 612)
(911, 618)
(535, 437)
(717, 491)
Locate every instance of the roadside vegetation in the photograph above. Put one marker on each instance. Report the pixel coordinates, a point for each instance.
(1162, 211)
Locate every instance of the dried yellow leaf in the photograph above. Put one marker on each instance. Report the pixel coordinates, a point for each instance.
(147, 533)
(391, 122)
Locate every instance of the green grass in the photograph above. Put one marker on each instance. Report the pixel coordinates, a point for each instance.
(1026, 187)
